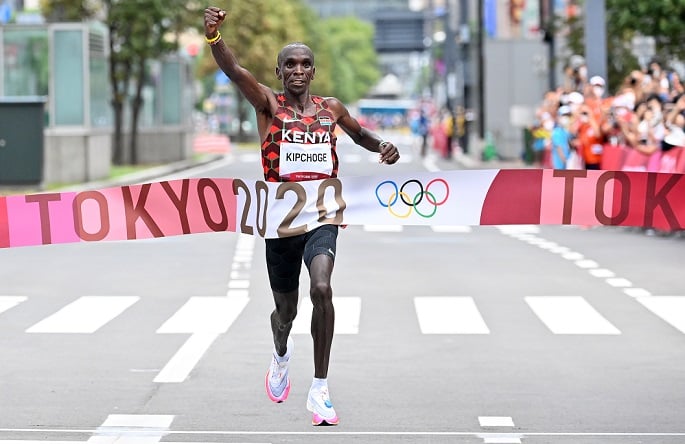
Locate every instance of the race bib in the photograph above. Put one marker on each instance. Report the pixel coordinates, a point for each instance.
(313, 160)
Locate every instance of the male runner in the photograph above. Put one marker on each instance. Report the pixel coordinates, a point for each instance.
(297, 131)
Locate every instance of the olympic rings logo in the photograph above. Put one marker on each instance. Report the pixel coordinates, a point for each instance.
(388, 194)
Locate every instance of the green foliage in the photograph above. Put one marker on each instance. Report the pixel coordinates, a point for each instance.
(144, 30)
(346, 64)
(661, 19)
(355, 68)
(68, 10)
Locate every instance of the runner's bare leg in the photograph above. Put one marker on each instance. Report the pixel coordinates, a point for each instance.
(282, 319)
(323, 313)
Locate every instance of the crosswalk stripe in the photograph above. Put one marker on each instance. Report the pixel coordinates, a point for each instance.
(347, 313)
(449, 315)
(570, 315)
(496, 421)
(211, 316)
(7, 302)
(205, 314)
(669, 308)
(205, 318)
(138, 429)
(85, 315)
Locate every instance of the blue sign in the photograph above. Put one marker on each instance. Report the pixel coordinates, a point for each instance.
(221, 79)
(5, 13)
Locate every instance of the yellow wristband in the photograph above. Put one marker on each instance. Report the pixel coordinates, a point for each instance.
(214, 39)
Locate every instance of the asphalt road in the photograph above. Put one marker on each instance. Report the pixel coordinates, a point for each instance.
(470, 335)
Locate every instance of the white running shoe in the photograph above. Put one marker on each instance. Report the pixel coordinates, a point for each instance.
(319, 403)
(277, 381)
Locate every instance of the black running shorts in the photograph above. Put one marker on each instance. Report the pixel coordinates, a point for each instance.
(284, 256)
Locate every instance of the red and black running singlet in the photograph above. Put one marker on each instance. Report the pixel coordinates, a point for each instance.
(300, 147)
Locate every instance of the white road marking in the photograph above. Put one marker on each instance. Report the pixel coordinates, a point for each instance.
(619, 282)
(547, 245)
(85, 315)
(496, 421)
(240, 293)
(518, 229)
(239, 274)
(587, 263)
(550, 434)
(182, 363)
(7, 302)
(449, 315)
(205, 318)
(452, 228)
(205, 315)
(347, 313)
(669, 308)
(580, 261)
(572, 256)
(602, 273)
(239, 284)
(570, 315)
(636, 292)
(146, 421)
(132, 429)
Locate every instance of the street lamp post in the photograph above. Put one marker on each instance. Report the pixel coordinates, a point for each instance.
(596, 38)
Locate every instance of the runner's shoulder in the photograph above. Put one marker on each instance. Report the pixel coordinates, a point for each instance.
(336, 107)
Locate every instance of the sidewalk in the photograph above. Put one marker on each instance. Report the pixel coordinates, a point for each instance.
(144, 175)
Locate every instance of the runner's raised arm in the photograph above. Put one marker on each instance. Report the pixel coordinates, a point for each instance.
(257, 94)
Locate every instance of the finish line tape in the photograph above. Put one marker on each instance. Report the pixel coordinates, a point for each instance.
(269, 209)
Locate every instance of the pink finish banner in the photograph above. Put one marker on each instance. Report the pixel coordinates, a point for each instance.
(267, 209)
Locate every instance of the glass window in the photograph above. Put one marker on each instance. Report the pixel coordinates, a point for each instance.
(26, 62)
(172, 92)
(68, 77)
(100, 92)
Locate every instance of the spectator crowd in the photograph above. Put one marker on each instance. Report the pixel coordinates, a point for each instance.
(639, 128)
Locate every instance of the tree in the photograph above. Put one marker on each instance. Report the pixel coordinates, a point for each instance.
(68, 10)
(662, 20)
(140, 31)
(346, 65)
(355, 68)
(256, 32)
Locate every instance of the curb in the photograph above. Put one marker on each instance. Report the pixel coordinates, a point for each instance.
(145, 175)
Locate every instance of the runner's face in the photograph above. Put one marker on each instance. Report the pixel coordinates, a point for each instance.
(297, 70)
